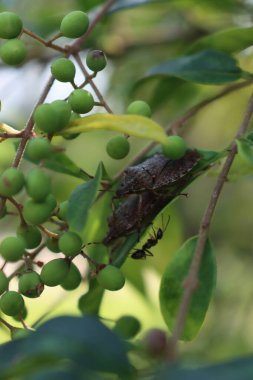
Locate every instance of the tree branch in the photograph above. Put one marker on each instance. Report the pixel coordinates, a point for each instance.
(192, 278)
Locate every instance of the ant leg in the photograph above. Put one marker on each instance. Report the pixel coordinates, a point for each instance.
(148, 253)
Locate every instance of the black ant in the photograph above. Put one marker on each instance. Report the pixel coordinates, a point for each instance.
(142, 253)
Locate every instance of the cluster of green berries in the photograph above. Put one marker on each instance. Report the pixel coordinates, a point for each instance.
(12, 52)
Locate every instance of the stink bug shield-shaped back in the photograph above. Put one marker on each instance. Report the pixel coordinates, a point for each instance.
(157, 174)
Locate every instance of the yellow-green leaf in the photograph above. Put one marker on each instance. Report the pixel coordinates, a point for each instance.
(133, 125)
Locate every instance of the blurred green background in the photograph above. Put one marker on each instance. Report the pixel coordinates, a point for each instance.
(134, 40)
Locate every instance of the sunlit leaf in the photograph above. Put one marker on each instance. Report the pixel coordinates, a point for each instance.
(82, 199)
(229, 40)
(206, 67)
(171, 289)
(132, 125)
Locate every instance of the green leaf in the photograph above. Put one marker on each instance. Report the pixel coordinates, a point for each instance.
(229, 40)
(61, 163)
(81, 200)
(171, 289)
(83, 342)
(233, 370)
(245, 150)
(206, 67)
(133, 125)
(125, 4)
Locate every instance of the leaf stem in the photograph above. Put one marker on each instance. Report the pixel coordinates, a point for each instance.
(191, 281)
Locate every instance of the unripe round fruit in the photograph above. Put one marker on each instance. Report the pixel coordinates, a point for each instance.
(11, 303)
(12, 248)
(96, 60)
(74, 24)
(63, 111)
(139, 107)
(23, 314)
(13, 52)
(127, 326)
(63, 209)
(52, 245)
(30, 234)
(70, 244)
(10, 25)
(30, 284)
(72, 279)
(111, 278)
(81, 101)
(63, 70)
(4, 282)
(174, 148)
(155, 342)
(46, 118)
(38, 184)
(11, 182)
(37, 212)
(38, 148)
(51, 202)
(54, 272)
(118, 147)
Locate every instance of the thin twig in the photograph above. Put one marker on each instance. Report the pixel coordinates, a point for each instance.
(92, 84)
(178, 123)
(77, 45)
(44, 42)
(29, 126)
(191, 281)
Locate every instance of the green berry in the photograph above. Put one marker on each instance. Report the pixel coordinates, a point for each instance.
(70, 244)
(72, 279)
(74, 24)
(127, 326)
(4, 282)
(81, 101)
(118, 147)
(111, 278)
(38, 184)
(11, 303)
(37, 212)
(51, 202)
(10, 25)
(139, 107)
(38, 148)
(63, 209)
(174, 148)
(63, 111)
(52, 245)
(46, 118)
(12, 248)
(30, 234)
(13, 52)
(11, 182)
(23, 314)
(63, 70)
(54, 272)
(30, 284)
(96, 60)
